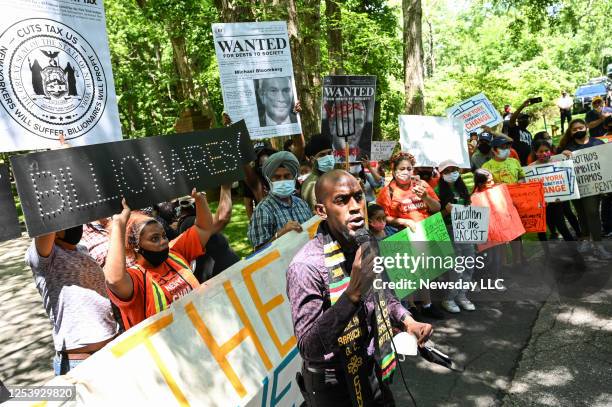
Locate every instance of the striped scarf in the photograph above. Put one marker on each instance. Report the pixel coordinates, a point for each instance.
(353, 347)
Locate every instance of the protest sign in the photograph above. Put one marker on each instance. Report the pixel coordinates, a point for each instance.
(475, 112)
(55, 75)
(593, 167)
(9, 222)
(382, 150)
(257, 77)
(558, 177)
(434, 139)
(67, 187)
(470, 223)
(237, 328)
(504, 221)
(430, 242)
(347, 114)
(528, 199)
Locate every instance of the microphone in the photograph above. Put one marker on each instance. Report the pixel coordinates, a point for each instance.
(433, 355)
(362, 236)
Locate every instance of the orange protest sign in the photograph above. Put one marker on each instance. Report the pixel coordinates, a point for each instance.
(504, 221)
(528, 199)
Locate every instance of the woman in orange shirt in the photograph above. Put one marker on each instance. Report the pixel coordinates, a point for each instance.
(407, 200)
(162, 273)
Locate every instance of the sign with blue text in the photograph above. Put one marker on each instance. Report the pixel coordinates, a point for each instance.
(475, 112)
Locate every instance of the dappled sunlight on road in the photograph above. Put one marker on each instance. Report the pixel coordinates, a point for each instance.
(26, 344)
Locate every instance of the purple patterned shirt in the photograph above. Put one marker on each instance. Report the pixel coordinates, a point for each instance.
(317, 324)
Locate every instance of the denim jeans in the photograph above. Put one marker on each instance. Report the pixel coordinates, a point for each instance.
(62, 365)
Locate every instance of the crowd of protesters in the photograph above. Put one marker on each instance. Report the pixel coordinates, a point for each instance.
(104, 277)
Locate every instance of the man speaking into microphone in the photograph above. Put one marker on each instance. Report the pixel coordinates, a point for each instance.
(342, 324)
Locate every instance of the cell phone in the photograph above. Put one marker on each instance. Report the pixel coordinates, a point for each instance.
(535, 100)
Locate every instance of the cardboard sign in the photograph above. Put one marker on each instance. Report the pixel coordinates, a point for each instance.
(68, 187)
(347, 114)
(470, 223)
(475, 112)
(55, 75)
(432, 140)
(257, 76)
(504, 221)
(9, 222)
(528, 199)
(593, 167)
(559, 180)
(229, 343)
(430, 240)
(382, 150)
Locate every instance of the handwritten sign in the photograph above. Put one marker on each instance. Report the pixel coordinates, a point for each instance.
(429, 241)
(470, 223)
(559, 180)
(237, 328)
(475, 112)
(382, 150)
(68, 187)
(9, 223)
(528, 199)
(504, 221)
(593, 167)
(434, 139)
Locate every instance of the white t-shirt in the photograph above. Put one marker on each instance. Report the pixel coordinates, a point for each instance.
(72, 286)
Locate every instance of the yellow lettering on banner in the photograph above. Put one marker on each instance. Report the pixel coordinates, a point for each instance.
(143, 336)
(220, 352)
(312, 230)
(264, 309)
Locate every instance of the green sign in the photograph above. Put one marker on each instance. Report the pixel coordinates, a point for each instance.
(425, 254)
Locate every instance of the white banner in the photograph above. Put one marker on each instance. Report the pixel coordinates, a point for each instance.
(470, 223)
(434, 139)
(55, 75)
(558, 177)
(229, 343)
(475, 112)
(257, 77)
(382, 150)
(593, 168)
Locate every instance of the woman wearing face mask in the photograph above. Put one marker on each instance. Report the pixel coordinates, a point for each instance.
(505, 170)
(161, 274)
(319, 149)
(407, 200)
(576, 138)
(543, 150)
(452, 191)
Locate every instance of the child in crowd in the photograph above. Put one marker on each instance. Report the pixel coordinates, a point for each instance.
(377, 220)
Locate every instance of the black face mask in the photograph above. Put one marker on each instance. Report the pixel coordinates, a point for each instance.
(73, 235)
(154, 258)
(484, 148)
(580, 135)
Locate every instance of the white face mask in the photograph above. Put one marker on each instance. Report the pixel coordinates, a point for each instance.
(451, 177)
(503, 154)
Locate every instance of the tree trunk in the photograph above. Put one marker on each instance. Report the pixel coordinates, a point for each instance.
(232, 11)
(334, 36)
(306, 56)
(413, 57)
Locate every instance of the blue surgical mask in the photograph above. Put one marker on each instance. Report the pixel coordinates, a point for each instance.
(283, 189)
(503, 154)
(326, 163)
(452, 177)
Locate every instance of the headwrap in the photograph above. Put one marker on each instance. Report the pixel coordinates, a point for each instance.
(284, 159)
(134, 227)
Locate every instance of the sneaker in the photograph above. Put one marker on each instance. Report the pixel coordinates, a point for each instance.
(466, 304)
(451, 306)
(601, 253)
(432, 312)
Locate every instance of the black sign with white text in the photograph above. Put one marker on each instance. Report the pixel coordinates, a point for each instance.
(9, 223)
(67, 187)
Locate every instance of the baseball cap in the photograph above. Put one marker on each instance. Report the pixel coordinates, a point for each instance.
(500, 141)
(263, 146)
(485, 136)
(596, 99)
(445, 164)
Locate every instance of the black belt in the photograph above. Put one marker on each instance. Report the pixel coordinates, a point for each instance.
(320, 368)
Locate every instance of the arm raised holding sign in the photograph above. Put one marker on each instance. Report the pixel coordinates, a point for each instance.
(161, 273)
